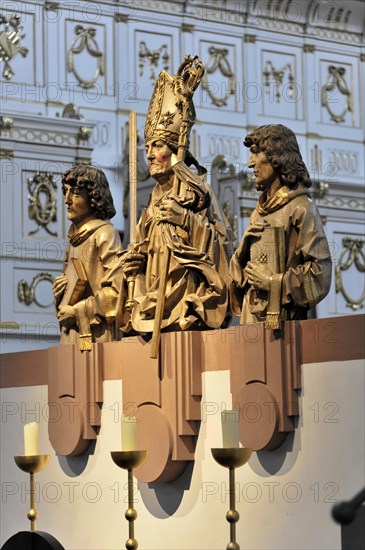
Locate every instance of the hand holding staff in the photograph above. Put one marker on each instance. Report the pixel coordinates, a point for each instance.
(187, 80)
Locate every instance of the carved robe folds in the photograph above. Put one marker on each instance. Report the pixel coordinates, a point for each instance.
(96, 245)
(307, 261)
(196, 292)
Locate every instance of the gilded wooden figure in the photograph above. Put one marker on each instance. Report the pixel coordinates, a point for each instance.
(181, 252)
(282, 267)
(86, 293)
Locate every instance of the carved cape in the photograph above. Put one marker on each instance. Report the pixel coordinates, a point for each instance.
(96, 244)
(197, 283)
(307, 277)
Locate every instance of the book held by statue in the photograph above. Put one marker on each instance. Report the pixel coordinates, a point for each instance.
(76, 283)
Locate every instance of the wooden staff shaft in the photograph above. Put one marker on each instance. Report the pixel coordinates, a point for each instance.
(156, 335)
(132, 196)
(133, 174)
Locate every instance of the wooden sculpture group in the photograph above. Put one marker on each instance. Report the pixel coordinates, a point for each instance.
(180, 273)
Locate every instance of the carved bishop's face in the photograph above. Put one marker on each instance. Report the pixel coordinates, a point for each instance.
(159, 160)
(265, 174)
(78, 205)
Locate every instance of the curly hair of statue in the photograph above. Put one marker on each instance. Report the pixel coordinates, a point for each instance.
(281, 148)
(95, 182)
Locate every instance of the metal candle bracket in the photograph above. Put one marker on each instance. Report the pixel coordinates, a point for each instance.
(232, 458)
(31, 465)
(130, 460)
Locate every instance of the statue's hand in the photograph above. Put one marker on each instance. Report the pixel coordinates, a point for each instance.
(59, 286)
(171, 211)
(258, 275)
(66, 316)
(133, 263)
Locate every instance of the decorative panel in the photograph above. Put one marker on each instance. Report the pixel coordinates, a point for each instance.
(18, 40)
(81, 70)
(219, 83)
(42, 205)
(86, 56)
(337, 93)
(145, 47)
(334, 84)
(281, 93)
(21, 66)
(102, 135)
(28, 299)
(153, 52)
(221, 89)
(349, 270)
(224, 145)
(32, 290)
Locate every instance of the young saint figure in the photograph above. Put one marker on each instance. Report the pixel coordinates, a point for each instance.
(188, 222)
(282, 267)
(90, 261)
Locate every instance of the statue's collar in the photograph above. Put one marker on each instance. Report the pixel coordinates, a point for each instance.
(284, 195)
(78, 236)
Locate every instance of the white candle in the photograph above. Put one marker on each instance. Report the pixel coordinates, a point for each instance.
(31, 441)
(230, 429)
(129, 433)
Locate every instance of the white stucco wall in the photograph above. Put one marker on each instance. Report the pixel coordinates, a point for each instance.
(284, 497)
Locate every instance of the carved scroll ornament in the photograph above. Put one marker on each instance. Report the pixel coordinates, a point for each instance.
(85, 39)
(351, 254)
(42, 201)
(10, 44)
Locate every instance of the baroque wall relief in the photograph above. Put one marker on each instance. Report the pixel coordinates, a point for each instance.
(217, 67)
(278, 77)
(43, 213)
(20, 61)
(281, 92)
(42, 202)
(351, 258)
(89, 61)
(222, 80)
(29, 293)
(151, 59)
(11, 42)
(153, 53)
(85, 58)
(336, 94)
(32, 292)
